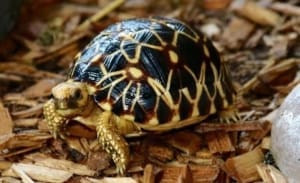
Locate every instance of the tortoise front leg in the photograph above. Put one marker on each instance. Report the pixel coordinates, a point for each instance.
(54, 120)
(112, 141)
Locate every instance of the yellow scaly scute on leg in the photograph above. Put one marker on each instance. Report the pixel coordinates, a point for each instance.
(112, 140)
(54, 120)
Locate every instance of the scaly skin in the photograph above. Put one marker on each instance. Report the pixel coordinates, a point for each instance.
(111, 141)
(54, 120)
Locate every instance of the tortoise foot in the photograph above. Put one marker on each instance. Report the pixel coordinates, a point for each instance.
(112, 141)
(229, 115)
(54, 120)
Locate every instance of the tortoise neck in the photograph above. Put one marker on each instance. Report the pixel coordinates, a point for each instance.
(89, 108)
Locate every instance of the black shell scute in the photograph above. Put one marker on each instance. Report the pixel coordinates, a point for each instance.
(154, 71)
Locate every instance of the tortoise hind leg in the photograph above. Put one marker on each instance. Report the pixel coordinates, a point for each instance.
(110, 131)
(229, 115)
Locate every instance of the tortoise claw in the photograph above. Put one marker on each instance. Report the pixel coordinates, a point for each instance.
(229, 115)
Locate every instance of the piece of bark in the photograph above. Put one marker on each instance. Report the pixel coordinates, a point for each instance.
(20, 172)
(5, 121)
(76, 145)
(286, 8)
(149, 176)
(19, 99)
(98, 160)
(9, 180)
(38, 173)
(66, 165)
(236, 33)
(204, 153)
(196, 160)
(289, 25)
(280, 49)
(5, 165)
(109, 180)
(210, 30)
(185, 141)
(76, 129)
(253, 41)
(33, 111)
(176, 174)
(266, 143)
(243, 126)
(219, 142)
(68, 46)
(11, 78)
(256, 13)
(260, 134)
(26, 123)
(18, 152)
(60, 164)
(113, 172)
(215, 4)
(100, 14)
(23, 140)
(270, 174)
(272, 76)
(27, 70)
(43, 125)
(160, 152)
(41, 89)
(202, 173)
(243, 167)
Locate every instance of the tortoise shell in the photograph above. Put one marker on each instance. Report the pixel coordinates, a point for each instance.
(154, 71)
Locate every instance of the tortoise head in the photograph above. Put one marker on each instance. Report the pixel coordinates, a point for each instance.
(72, 98)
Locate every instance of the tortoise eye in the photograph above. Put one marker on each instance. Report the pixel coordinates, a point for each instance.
(77, 94)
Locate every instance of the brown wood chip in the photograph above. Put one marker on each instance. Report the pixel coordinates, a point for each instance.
(109, 180)
(40, 173)
(40, 89)
(219, 142)
(27, 122)
(160, 152)
(33, 111)
(244, 126)
(256, 13)
(286, 8)
(60, 164)
(270, 174)
(17, 141)
(203, 174)
(176, 175)
(243, 167)
(237, 32)
(185, 141)
(149, 176)
(6, 121)
(26, 70)
(98, 160)
(266, 143)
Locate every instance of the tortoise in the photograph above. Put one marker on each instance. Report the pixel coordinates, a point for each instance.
(146, 74)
